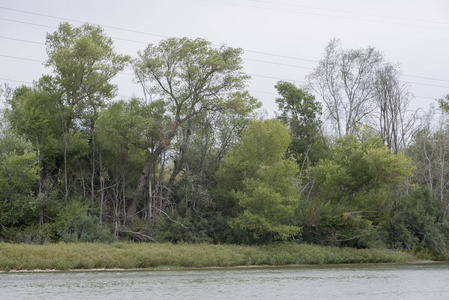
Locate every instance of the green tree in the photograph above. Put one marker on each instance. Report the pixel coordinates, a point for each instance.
(83, 62)
(18, 182)
(416, 222)
(259, 184)
(268, 200)
(352, 189)
(301, 112)
(191, 77)
(33, 114)
(193, 215)
(355, 167)
(125, 132)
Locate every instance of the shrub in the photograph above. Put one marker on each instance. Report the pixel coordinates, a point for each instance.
(74, 224)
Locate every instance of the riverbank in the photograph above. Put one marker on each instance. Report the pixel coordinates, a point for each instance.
(126, 256)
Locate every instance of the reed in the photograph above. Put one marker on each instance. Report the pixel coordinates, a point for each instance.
(74, 256)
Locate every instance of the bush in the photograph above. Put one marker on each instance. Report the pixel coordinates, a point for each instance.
(188, 227)
(30, 235)
(416, 223)
(74, 224)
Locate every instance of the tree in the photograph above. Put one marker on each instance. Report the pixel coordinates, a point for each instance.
(190, 77)
(260, 182)
(352, 189)
(393, 99)
(301, 112)
(355, 167)
(5, 95)
(18, 181)
(125, 131)
(33, 114)
(429, 149)
(416, 222)
(83, 62)
(344, 79)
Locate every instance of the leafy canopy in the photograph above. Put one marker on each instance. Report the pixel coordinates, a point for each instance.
(355, 167)
(261, 181)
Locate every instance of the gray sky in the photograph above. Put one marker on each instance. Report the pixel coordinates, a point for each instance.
(282, 39)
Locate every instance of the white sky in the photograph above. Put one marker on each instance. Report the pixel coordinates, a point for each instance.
(414, 33)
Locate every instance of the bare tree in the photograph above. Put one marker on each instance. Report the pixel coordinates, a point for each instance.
(396, 121)
(430, 153)
(344, 79)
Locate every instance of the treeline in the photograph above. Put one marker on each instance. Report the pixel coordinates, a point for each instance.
(194, 162)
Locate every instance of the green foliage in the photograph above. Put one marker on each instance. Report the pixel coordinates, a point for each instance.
(216, 175)
(355, 167)
(83, 61)
(74, 224)
(17, 181)
(64, 256)
(176, 228)
(301, 112)
(191, 75)
(330, 224)
(134, 123)
(124, 133)
(194, 80)
(268, 199)
(262, 143)
(33, 234)
(353, 189)
(260, 182)
(34, 114)
(444, 103)
(417, 223)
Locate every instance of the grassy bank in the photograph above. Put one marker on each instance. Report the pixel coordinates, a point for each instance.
(131, 256)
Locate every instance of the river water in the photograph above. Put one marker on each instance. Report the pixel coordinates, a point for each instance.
(317, 282)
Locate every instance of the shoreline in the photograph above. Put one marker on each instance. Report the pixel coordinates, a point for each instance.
(418, 262)
(119, 256)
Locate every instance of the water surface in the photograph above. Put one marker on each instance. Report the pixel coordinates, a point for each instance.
(316, 282)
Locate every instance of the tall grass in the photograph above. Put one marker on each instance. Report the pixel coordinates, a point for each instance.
(64, 256)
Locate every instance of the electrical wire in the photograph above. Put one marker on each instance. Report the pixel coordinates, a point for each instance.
(319, 14)
(252, 75)
(246, 59)
(350, 12)
(125, 96)
(162, 36)
(146, 33)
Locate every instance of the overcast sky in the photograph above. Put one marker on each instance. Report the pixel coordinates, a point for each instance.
(282, 40)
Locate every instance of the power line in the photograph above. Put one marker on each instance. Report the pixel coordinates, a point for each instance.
(279, 64)
(252, 91)
(440, 86)
(350, 12)
(146, 33)
(28, 23)
(319, 14)
(276, 78)
(20, 40)
(78, 21)
(269, 93)
(52, 27)
(252, 75)
(12, 80)
(130, 30)
(262, 92)
(21, 58)
(423, 77)
(246, 59)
